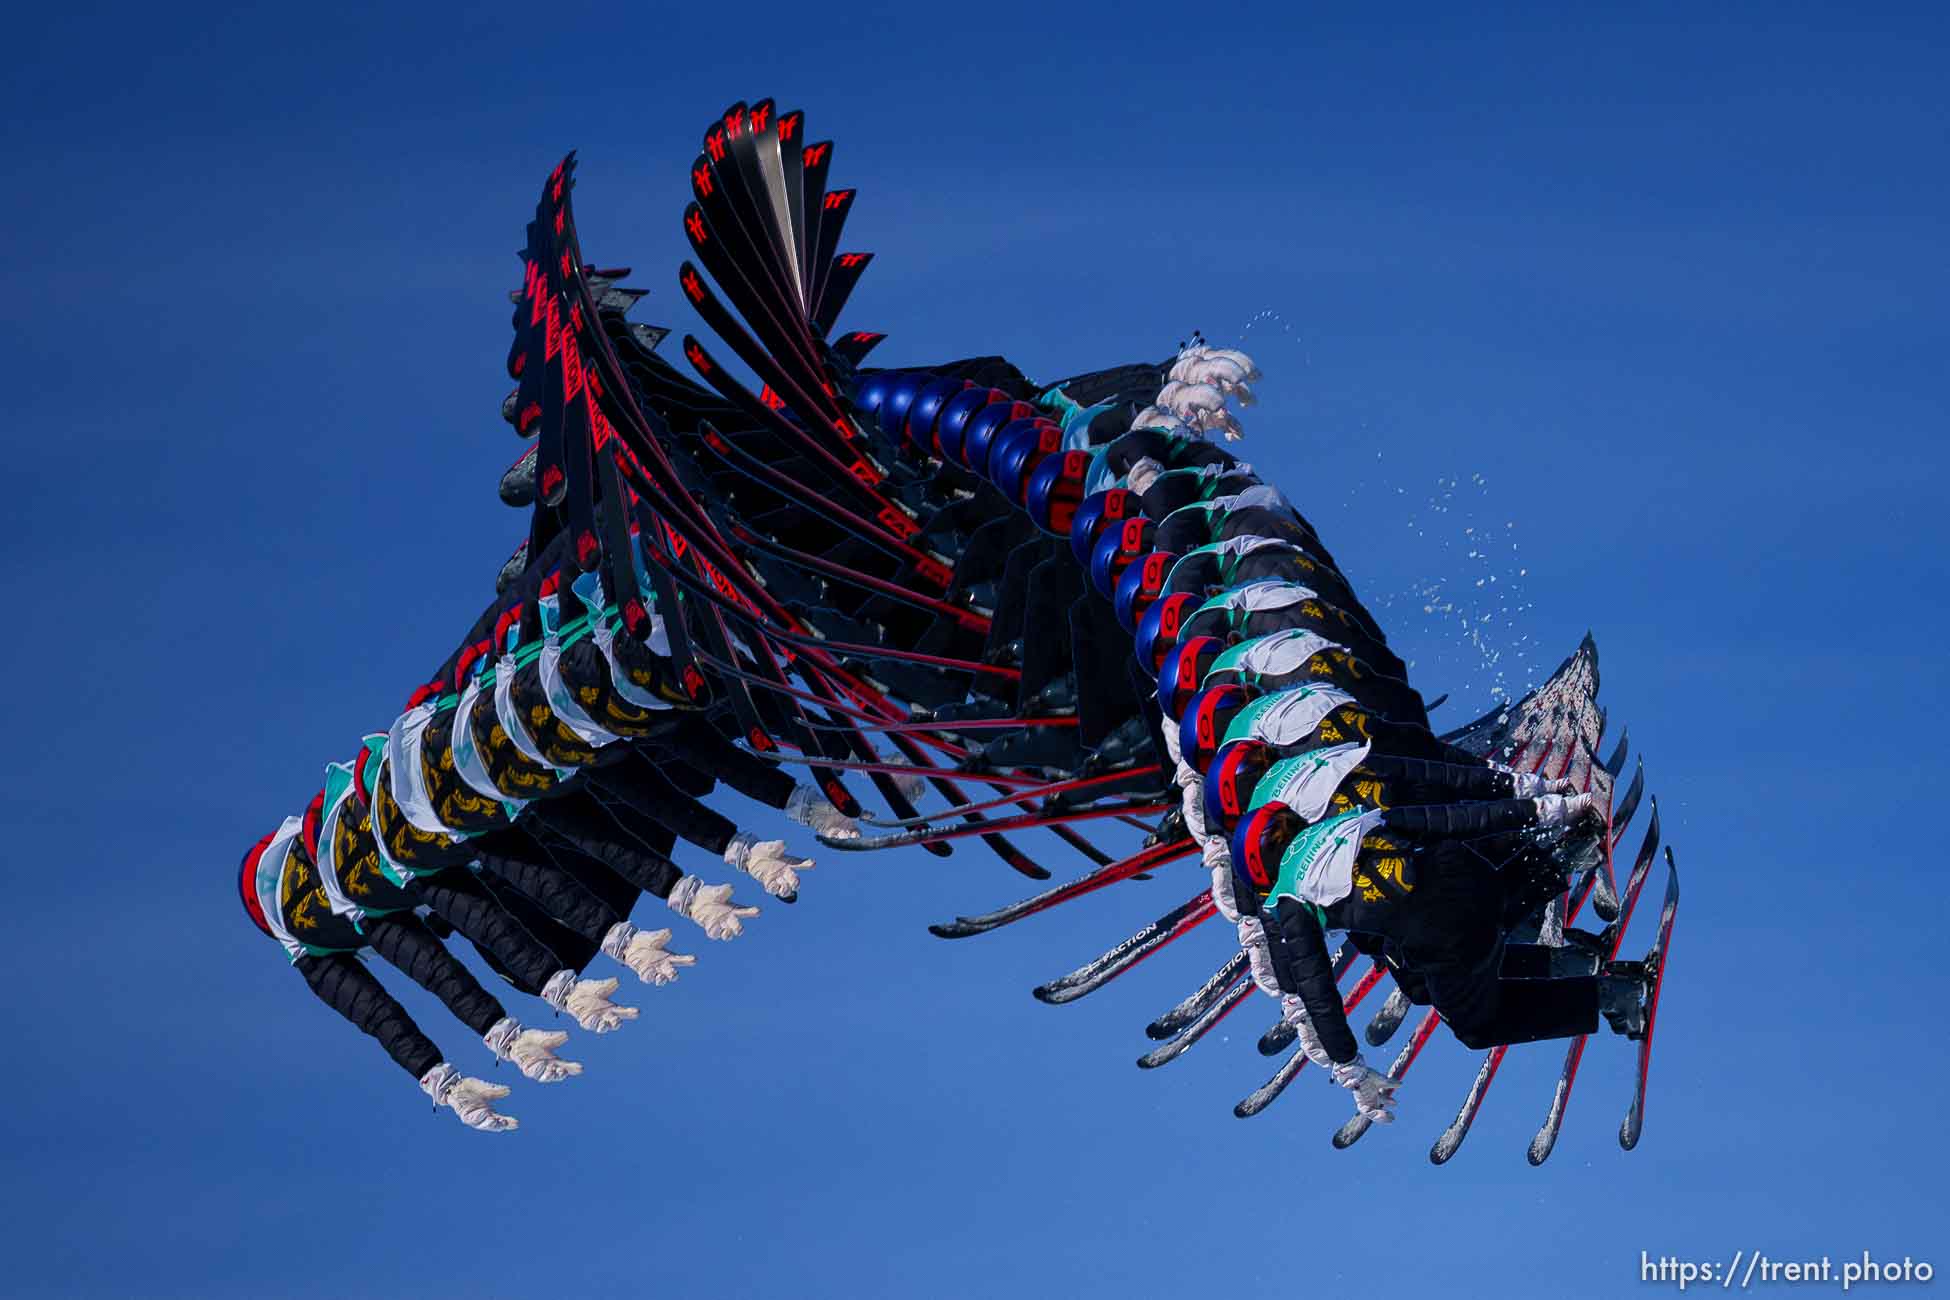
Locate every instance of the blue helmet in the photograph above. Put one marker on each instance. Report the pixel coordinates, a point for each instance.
(1096, 512)
(1016, 450)
(1054, 489)
(1183, 671)
(1117, 548)
(1138, 587)
(1158, 629)
(871, 391)
(918, 429)
(1258, 845)
(1231, 780)
(981, 429)
(955, 413)
(900, 395)
(1205, 720)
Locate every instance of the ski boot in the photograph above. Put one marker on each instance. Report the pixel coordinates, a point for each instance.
(1624, 990)
(1170, 829)
(1057, 699)
(1006, 655)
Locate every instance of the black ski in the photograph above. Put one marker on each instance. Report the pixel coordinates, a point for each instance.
(1634, 1125)
(1387, 1020)
(1201, 998)
(1165, 1053)
(1095, 974)
(1546, 1139)
(963, 927)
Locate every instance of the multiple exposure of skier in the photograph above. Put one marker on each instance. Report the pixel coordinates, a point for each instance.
(1047, 605)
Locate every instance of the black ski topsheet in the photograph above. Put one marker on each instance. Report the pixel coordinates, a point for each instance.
(1633, 1125)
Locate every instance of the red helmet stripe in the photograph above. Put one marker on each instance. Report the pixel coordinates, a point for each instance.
(247, 884)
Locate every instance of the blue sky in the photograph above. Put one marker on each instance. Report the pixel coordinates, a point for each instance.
(1672, 287)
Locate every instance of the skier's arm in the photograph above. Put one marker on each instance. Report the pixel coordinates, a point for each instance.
(1304, 968)
(405, 943)
(343, 983)
(704, 748)
(586, 826)
(1420, 780)
(634, 791)
(517, 859)
(463, 902)
(1466, 820)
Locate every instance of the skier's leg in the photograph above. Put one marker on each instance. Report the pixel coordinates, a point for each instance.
(1451, 935)
(1105, 699)
(1006, 638)
(1046, 668)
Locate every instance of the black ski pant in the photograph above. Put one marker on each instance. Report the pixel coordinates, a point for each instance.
(1448, 930)
(1047, 661)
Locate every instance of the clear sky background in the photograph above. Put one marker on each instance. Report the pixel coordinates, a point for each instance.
(1672, 287)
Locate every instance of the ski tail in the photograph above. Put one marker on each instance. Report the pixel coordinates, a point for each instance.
(1634, 1123)
(1555, 729)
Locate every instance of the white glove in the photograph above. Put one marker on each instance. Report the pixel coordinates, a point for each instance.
(711, 907)
(1374, 1092)
(1294, 1012)
(1252, 937)
(1222, 885)
(1194, 806)
(587, 1000)
(1223, 422)
(1225, 377)
(809, 807)
(1237, 357)
(471, 1099)
(643, 952)
(1201, 406)
(1190, 401)
(1204, 353)
(532, 1050)
(1222, 373)
(1560, 809)
(1143, 474)
(767, 862)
